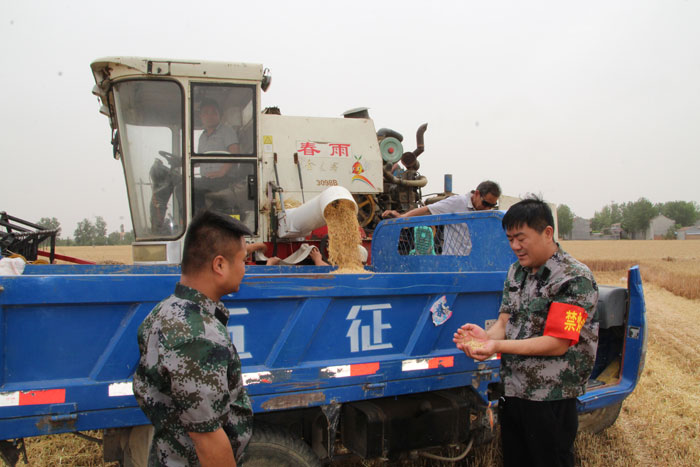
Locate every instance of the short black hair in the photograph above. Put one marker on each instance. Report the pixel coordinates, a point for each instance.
(533, 212)
(206, 102)
(488, 186)
(209, 235)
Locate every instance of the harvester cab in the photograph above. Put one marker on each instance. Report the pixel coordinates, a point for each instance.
(191, 135)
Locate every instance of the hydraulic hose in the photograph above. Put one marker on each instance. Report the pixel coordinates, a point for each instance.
(420, 182)
(449, 459)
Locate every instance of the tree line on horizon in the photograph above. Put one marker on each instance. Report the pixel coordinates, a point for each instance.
(88, 233)
(633, 216)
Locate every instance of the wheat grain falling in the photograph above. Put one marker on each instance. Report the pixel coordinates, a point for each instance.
(343, 236)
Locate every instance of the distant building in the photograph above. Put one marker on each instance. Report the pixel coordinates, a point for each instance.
(689, 233)
(616, 230)
(658, 228)
(581, 229)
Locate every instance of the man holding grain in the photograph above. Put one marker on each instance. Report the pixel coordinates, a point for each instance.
(547, 335)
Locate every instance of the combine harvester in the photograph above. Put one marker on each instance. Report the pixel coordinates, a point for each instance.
(334, 363)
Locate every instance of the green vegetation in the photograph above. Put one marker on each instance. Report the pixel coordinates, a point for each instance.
(565, 220)
(50, 223)
(606, 217)
(88, 233)
(635, 216)
(685, 213)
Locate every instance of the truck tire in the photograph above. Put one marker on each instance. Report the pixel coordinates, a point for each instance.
(599, 419)
(137, 446)
(274, 447)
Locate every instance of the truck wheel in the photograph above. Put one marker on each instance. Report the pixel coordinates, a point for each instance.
(599, 419)
(137, 445)
(274, 447)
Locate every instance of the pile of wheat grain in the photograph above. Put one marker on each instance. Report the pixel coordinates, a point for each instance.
(343, 236)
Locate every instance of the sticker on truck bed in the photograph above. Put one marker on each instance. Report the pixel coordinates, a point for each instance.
(237, 334)
(440, 311)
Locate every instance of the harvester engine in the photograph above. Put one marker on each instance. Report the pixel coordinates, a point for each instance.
(402, 181)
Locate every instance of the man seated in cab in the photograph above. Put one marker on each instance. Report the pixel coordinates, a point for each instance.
(214, 189)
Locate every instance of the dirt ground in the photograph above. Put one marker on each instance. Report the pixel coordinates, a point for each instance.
(659, 423)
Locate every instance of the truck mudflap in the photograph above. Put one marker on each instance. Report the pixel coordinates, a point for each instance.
(608, 396)
(385, 427)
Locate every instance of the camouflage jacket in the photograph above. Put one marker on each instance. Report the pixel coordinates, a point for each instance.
(189, 377)
(527, 297)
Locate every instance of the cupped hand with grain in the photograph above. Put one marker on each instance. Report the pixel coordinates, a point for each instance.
(474, 342)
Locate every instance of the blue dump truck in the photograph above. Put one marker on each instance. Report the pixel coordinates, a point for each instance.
(365, 360)
(359, 363)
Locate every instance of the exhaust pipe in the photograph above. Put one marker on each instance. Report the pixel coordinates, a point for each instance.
(410, 159)
(419, 139)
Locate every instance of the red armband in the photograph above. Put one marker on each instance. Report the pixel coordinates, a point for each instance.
(565, 321)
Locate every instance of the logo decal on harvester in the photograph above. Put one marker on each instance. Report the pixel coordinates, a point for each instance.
(368, 336)
(358, 170)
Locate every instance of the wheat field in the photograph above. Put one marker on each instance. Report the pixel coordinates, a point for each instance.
(98, 254)
(659, 423)
(672, 264)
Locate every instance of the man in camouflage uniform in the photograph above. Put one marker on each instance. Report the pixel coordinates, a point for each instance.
(547, 335)
(188, 380)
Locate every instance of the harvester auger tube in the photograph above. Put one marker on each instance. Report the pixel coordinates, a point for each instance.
(301, 221)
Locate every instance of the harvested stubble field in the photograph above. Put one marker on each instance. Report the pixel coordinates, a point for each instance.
(659, 423)
(99, 254)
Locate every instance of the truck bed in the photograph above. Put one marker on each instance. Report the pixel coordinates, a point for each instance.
(306, 337)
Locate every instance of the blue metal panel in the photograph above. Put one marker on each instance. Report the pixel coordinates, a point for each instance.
(491, 250)
(79, 334)
(294, 339)
(85, 269)
(149, 269)
(291, 325)
(34, 351)
(38, 425)
(633, 353)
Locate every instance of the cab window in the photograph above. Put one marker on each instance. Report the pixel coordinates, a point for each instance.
(223, 119)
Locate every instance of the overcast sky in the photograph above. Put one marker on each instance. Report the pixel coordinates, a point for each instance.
(584, 102)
